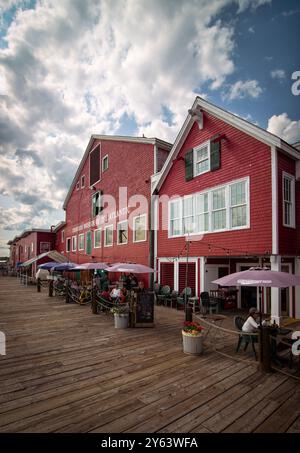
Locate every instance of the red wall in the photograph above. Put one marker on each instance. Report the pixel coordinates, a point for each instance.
(241, 156)
(288, 237)
(130, 165)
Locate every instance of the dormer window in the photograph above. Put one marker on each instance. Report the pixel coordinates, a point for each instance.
(82, 181)
(203, 158)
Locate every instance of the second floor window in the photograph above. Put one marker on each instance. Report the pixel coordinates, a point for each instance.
(123, 232)
(96, 204)
(81, 242)
(288, 200)
(108, 237)
(74, 243)
(68, 245)
(139, 227)
(97, 239)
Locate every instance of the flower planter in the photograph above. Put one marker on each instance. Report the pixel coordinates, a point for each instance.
(121, 320)
(192, 344)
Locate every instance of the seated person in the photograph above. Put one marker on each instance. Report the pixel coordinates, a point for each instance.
(123, 295)
(116, 292)
(141, 288)
(251, 325)
(105, 295)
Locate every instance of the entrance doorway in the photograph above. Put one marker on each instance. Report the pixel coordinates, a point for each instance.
(248, 294)
(285, 293)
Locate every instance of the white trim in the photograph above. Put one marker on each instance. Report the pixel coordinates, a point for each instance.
(103, 158)
(234, 120)
(290, 288)
(274, 163)
(175, 261)
(81, 235)
(155, 159)
(98, 246)
(68, 239)
(74, 249)
(111, 227)
(290, 177)
(119, 223)
(202, 275)
(154, 217)
(134, 219)
(198, 148)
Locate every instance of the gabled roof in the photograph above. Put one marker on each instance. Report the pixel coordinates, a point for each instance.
(59, 226)
(234, 120)
(150, 141)
(53, 255)
(27, 233)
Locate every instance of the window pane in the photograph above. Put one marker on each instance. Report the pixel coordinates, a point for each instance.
(238, 216)
(108, 236)
(175, 209)
(140, 229)
(187, 206)
(202, 203)
(122, 233)
(219, 220)
(219, 199)
(201, 167)
(202, 154)
(202, 222)
(97, 238)
(238, 193)
(175, 227)
(188, 225)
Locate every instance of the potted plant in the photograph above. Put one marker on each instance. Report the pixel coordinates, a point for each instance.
(192, 338)
(121, 316)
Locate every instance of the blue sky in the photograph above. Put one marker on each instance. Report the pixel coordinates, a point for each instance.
(72, 68)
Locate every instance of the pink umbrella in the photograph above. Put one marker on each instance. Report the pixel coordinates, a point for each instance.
(90, 266)
(257, 276)
(130, 267)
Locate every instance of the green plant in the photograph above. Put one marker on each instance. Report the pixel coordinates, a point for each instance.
(192, 328)
(120, 309)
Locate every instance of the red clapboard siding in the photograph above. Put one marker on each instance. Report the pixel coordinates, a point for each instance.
(167, 274)
(191, 278)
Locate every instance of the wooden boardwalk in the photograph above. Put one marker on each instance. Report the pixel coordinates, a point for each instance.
(68, 370)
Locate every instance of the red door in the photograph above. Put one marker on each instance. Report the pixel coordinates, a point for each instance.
(167, 274)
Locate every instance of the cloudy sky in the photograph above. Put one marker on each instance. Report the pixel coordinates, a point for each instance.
(71, 68)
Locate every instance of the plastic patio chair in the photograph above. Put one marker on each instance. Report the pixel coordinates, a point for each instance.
(172, 298)
(186, 293)
(165, 292)
(243, 337)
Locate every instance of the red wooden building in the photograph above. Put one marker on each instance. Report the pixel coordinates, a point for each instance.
(108, 204)
(30, 244)
(232, 200)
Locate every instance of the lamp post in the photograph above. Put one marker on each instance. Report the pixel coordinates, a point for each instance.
(187, 309)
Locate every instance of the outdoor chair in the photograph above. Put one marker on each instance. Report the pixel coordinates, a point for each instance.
(186, 293)
(165, 292)
(244, 337)
(156, 289)
(172, 299)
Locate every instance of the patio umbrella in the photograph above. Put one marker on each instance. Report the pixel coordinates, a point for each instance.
(130, 267)
(63, 267)
(90, 266)
(259, 276)
(47, 265)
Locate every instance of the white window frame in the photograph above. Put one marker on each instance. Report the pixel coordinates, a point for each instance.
(97, 246)
(197, 148)
(291, 178)
(74, 243)
(227, 207)
(188, 216)
(111, 227)
(79, 238)
(68, 249)
(82, 178)
(94, 194)
(134, 228)
(63, 236)
(120, 223)
(103, 159)
(218, 230)
(202, 213)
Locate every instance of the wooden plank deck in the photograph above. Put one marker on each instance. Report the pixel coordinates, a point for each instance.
(67, 370)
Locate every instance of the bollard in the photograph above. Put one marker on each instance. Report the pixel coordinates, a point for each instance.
(38, 285)
(189, 314)
(264, 350)
(50, 288)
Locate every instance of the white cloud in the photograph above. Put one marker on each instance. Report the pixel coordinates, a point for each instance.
(244, 4)
(285, 128)
(240, 90)
(73, 68)
(278, 74)
(251, 30)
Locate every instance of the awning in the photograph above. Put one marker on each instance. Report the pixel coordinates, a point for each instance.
(53, 255)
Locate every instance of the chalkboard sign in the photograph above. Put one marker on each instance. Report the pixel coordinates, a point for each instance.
(144, 315)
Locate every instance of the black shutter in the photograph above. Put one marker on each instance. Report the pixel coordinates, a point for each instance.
(215, 155)
(101, 202)
(189, 165)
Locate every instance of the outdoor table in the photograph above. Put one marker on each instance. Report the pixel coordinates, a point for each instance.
(275, 332)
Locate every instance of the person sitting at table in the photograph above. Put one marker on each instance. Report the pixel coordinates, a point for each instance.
(251, 325)
(141, 287)
(123, 293)
(105, 294)
(116, 292)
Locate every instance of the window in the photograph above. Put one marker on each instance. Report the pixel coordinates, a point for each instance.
(77, 185)
(105, 163)
(202, 159)
(122, 232)
(218, 209)
(108, 237)
(95, 165)
(175, 218)
(74, 243)
(82, 181)
(68, 245)
(139, 227)
(188, 215)
(32, 248)
(81, 242)
(44, 247)
(88, 243)
(202, 213)
(288, 186)
(63, 236)
(96, 204)
(238, 204)
(97, 238)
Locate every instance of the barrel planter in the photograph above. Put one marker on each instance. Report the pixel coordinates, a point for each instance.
(121, 320)
(192, 344)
